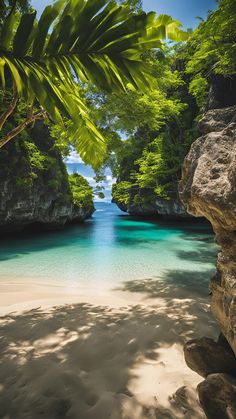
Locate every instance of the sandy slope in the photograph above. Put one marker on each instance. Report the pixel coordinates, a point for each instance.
(98, 354)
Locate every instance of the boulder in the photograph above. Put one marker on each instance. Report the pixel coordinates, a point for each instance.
(205, 356)
(217, 395)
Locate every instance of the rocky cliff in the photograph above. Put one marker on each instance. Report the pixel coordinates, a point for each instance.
(208, 189)
(34, 185)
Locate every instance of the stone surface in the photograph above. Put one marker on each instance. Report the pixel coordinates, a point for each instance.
(217, 395)
(34, 188)
(172, 208)
(208, 189)
(205, 356)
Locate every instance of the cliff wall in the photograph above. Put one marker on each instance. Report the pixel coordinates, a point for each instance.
(34, 186)
(208, 189)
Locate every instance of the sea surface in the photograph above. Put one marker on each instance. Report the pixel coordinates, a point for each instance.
(111, 248)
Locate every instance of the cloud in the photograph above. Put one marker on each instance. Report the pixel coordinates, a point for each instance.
(73, 158)
(109, 181)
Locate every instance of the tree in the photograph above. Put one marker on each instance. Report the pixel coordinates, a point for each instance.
(211, 50)
(160, 128)
(97, 41)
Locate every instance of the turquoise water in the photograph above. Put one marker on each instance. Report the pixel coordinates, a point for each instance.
(112, 247)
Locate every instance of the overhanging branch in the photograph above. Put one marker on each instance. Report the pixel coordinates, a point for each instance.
(29, 120)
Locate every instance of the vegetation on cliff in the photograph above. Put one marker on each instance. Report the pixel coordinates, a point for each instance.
(33, 176)
(160, 125)
(82, 192)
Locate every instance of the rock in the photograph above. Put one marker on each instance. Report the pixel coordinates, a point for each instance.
(169, 208)
(217, 395)
(205, 356)
(222, 93)
(34, 187)
(208, 189)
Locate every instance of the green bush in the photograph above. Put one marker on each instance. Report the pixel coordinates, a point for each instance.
(81, 191)
(121, 192)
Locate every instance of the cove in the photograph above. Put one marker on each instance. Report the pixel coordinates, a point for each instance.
(111, 249)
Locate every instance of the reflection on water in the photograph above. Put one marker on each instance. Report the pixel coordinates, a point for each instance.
(113, 247)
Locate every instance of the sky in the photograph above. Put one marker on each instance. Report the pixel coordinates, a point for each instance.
(183, 10)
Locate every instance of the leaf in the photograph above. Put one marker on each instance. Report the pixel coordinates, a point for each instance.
(7, 31)
(2, 72)
(48, 16)
(15, 74)
(23, 37)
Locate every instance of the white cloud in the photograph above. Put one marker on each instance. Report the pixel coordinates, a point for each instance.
(73, 158)
(109, 181)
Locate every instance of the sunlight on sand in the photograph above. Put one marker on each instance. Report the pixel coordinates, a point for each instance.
(118, 356)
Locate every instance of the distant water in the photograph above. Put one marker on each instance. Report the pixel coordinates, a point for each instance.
(112, 247)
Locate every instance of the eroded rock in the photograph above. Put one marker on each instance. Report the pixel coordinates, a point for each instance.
(208, 189)
(205, 356)
(217, 395)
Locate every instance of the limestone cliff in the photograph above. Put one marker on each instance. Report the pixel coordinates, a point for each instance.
(34, 186)
(208, 188)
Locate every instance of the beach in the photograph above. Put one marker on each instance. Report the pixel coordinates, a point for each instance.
(92, 353)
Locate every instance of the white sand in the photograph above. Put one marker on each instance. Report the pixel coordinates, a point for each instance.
(98, 354)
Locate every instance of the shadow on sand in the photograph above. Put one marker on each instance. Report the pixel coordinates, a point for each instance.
(77, 361)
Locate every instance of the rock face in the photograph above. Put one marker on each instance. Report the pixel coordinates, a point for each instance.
(172, 208)
(217, 395)
(205, 357)
(34, 187)
(208, 189)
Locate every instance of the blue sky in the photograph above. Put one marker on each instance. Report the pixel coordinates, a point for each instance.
(183, 10)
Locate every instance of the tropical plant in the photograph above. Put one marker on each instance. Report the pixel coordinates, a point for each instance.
(82, 192)
(211, 50)
(76, 41)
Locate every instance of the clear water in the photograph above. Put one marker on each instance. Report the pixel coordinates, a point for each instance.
(112, 247)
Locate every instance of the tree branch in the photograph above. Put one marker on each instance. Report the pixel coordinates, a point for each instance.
(29, 120)
(10, 109)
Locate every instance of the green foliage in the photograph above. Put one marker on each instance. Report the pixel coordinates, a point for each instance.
(97, 41)
(211, 49)
(125, 112)
(38, 160)
(198, 87)
(159, 126)
(81, 191)
(121, 192)
(162, 124)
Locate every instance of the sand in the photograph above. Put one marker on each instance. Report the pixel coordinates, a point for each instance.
(92, 353)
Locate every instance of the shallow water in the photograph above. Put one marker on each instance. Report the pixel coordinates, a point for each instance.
(111, 248)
